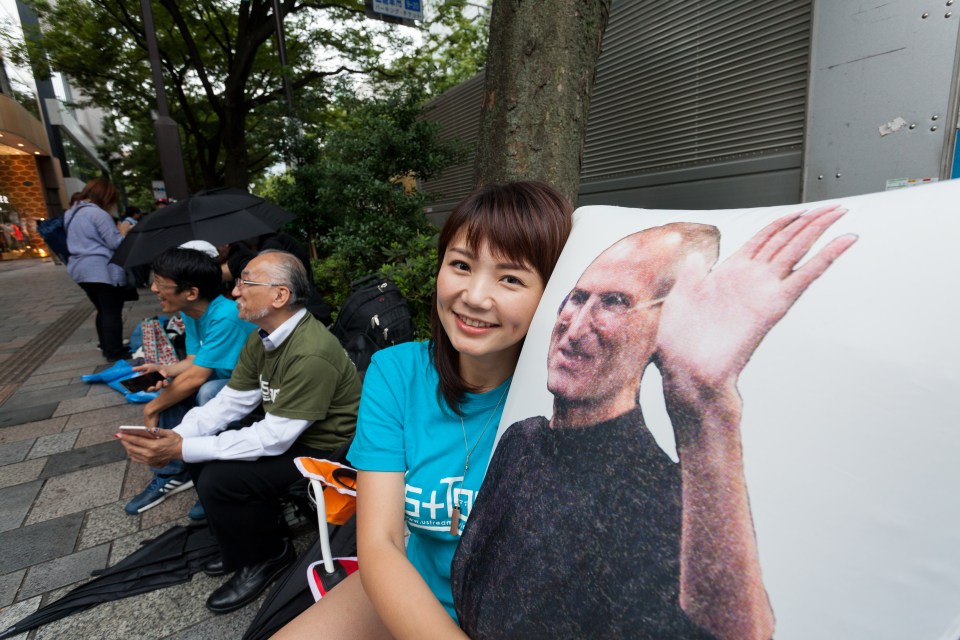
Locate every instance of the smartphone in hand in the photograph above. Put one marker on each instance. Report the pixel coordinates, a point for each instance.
(126, 428)
(142, 382)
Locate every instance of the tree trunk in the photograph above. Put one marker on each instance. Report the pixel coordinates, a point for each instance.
(234, 141)
(540, 70)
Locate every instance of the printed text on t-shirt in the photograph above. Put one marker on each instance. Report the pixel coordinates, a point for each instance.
(433, 509)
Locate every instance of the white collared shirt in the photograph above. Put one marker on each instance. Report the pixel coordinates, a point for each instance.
(273, 340)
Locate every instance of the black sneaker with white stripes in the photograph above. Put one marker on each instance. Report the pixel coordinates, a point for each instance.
(159, 489)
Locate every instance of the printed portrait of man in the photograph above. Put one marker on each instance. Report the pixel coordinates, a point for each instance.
(584, 527)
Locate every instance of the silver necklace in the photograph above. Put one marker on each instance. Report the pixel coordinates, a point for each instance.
(455, 516)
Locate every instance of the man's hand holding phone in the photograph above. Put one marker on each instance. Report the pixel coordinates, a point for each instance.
(138, 430)
(151, 381)
(153, 447)
(153, 368)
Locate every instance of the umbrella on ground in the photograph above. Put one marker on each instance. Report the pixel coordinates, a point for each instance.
(217, 216)
(169, 559)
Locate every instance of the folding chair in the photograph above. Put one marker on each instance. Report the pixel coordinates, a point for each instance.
(332, 488)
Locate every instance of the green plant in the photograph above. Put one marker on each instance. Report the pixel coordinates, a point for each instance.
(413, 268)
(351, 190)
(331, 279)
(346, 173)
(410, 261)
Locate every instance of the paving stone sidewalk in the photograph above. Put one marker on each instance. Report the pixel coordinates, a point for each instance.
(64, 478)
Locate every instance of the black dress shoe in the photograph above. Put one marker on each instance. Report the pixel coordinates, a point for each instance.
(214, 568)
(249, 582)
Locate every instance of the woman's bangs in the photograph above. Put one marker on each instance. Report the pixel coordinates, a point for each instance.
(502, 236)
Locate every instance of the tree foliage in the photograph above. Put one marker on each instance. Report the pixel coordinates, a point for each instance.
(220, 63)
(349, 167)
(351, 185)
(454, 47)
(222, 73)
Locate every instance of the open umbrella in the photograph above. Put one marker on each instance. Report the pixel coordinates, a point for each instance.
(217, 216)
(171, 558)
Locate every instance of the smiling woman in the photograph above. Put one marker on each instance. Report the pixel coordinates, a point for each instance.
(422, 402)
(485, 306)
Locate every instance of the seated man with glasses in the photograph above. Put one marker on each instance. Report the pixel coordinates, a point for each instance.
(310, 392)
(186, 280)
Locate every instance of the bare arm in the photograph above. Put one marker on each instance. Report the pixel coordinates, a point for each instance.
(711, 324)
(402, 599)
(168, 370)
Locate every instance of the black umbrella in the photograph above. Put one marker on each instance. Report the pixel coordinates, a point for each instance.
(169, 559)
(217, 216)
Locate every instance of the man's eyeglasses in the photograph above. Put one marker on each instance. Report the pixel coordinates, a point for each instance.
(162, 285)
(605, 306)
(240, 283)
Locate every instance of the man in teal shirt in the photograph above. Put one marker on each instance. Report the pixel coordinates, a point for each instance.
(186, 280)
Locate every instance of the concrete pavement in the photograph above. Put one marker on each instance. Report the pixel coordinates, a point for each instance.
(64, 478)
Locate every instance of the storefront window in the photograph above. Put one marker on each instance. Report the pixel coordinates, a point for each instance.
(16, 233)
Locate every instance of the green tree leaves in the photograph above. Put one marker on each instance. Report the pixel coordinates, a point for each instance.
(222, 72)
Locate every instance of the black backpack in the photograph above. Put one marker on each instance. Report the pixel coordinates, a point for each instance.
(375, 315)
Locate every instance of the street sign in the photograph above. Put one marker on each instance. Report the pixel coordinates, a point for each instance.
(406, 9)
(159, 190)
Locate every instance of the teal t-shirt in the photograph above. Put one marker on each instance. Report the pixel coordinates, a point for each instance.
(401, 427)
(217, 337)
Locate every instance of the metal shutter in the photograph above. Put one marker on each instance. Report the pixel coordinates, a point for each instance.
(680, 85)
(690, 83)
(458, 112)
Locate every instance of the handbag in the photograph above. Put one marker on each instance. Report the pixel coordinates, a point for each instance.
(157, 347)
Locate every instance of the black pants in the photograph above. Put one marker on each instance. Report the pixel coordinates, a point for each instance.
(108, 301)
(242, 503)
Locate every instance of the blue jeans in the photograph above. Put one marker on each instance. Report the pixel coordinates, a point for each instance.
(173, 416)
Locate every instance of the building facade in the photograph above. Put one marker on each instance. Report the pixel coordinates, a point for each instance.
(42, 160)
(31, 185)
(750, 103)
